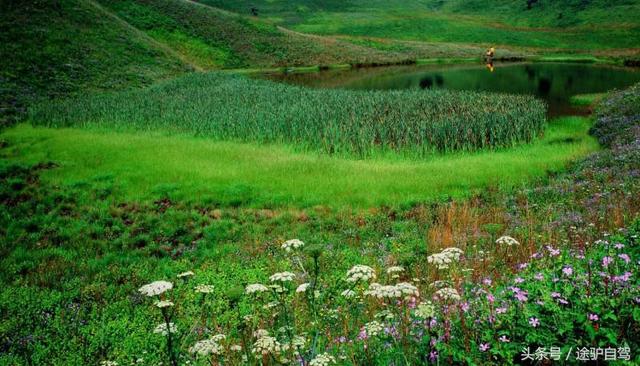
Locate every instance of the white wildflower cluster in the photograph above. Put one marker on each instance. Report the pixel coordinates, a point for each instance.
(204, 289)
(395, 269)
(219, 337)
(323, 359)
(164, 304)
(507, 240)
(162, 329)
(360, 273)
(447, 256)
(255, 288)
(155, 288)
(206, 347)
(348, 293)
(282, 277)
(303, 287)
(299, 341)
(186, 274)
(448, 293)
(265, 344)
(108, 363)
(373, 328)
(292, 244)
(236, 348)
(403, 289)
(425, 310)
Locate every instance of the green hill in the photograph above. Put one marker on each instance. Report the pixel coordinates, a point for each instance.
(585, 25)
(52, 48)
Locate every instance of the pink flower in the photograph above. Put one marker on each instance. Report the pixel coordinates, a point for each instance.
(619, 246)
(624, 257)
(552, 251)
(484, 347)
(539, 276)
(534, 322)
(487, 281)
(504, 339)
(464, 306)
(593, 317)
(491, 298)
(501, 310)
(519, 280)
(606, 261)
(567, 270)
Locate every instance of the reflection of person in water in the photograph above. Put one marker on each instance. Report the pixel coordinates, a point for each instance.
(488, 57)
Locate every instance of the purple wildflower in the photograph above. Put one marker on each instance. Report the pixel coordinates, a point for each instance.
(593, 317)
(519, 280)
(624, 257)
(433, 356)
(535, 322)
(539, 276)
(501, 310)
(567, 270)
(487, 281)
(484, 347)
(606, 261)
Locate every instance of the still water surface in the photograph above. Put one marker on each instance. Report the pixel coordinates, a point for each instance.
(553, 82)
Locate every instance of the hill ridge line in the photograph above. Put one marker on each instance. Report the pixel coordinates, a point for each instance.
(163, 47)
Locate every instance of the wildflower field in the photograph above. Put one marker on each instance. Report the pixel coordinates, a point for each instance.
(546, 272)
(356, 123)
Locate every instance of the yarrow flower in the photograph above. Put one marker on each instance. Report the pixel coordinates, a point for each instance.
(373, 328)
(265, 345)
(303, 287)
(447, 256)
(425, 310)
(282, 277)
(323, 359)
(108, 363)
(254, 288)
(204, 289)
(162, 329)
(236, 348)
(164, 304)
(395, 269)
(219, 337)
(206, 347)
(186, 274)
(292, 244)
(348, 293)
(155, 288)
(507, 240)
(403, 289)
(448, 293)
(360, 272)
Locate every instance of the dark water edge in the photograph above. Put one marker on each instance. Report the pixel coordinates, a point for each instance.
(555, 83)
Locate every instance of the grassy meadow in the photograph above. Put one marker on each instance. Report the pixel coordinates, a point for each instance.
(198, 169)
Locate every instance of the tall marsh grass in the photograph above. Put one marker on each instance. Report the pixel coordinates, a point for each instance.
(353, 123)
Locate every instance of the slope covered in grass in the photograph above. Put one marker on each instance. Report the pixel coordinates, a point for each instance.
(576, 24)
(357, 123)
(53, 48)
(216, 38)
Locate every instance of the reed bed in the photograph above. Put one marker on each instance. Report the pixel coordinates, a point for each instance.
(352, 123)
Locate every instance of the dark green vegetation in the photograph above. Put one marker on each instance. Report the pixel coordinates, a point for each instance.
(73, 257)
(359, 123)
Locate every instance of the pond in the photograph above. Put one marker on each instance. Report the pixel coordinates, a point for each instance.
(553, 82)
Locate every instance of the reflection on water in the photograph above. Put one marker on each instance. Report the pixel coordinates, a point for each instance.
(553, 82)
